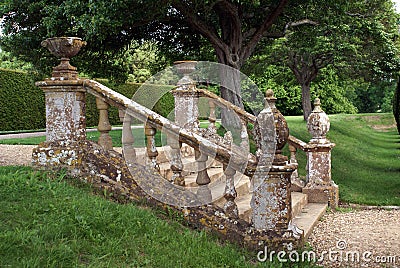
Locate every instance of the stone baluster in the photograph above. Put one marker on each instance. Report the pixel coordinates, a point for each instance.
(151, 150)
(297, 184)
(202, 174)
(176, 160)
(202, 179)
(104, 125)
(320, 187)
(271, 201)
(127, 137)
(230, 194)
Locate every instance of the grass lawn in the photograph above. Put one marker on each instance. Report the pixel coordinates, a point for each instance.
(47, 221)
(366, 159)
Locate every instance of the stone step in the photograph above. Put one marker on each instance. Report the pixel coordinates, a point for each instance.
(189, 167)
(299, 202)
(309, 217)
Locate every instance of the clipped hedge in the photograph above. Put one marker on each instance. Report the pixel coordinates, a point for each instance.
(163, 107)
(22, 104)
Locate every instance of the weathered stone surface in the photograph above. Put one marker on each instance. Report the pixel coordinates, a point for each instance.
(327, 194)
(65, 110)
(107, 171)
(318, 124)
(64, 48)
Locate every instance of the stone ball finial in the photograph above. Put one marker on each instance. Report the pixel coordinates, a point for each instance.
(270, 98)
(269, 93)
(318, 123)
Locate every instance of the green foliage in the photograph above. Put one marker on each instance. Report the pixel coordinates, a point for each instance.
(21, 102)
(11, 62)
(144, 61)
(377, 97)
(333, 92)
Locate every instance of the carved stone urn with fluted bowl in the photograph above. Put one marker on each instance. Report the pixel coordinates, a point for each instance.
(64, 48)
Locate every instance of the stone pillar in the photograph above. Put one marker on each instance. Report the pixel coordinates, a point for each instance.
(186, 97)
(65, 110)
(64, 92)
(271, 202)
(320, 187)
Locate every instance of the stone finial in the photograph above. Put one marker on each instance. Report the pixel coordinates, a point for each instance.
(281, 128)
(318, 124)
(185, 68)
(64, 48)
(270, 99)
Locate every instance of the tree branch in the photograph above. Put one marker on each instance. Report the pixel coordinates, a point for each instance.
(260, 32)
(198, 24)
(291, 24)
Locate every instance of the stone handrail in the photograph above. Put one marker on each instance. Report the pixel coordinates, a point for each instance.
(297, 143)
(247, 117)
(146, 115)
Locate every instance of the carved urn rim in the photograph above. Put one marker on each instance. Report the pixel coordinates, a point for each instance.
(185, 67)
(63, 46)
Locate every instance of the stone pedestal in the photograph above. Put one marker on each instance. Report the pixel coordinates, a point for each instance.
(271, 201)
(320, 188)
(186, 107)
(65, 110)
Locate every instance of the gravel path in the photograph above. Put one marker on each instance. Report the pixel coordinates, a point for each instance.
(372, 236)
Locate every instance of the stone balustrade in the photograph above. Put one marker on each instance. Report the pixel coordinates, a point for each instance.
(270, 171)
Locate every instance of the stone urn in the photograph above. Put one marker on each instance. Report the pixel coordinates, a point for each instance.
(64, 48)
(185, 68)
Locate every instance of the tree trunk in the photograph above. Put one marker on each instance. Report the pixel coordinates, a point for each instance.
(230, 86)
(306, 100)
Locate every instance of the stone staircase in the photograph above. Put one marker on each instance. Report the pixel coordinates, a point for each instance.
(305, 215)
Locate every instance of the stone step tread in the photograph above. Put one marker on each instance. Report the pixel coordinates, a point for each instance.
(242, 190)
(309, 217)
(299, 201)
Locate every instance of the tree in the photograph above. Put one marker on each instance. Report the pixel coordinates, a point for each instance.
(358, 38)
(232, 28)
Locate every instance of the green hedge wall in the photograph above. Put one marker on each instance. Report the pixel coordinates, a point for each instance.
(22, 104)
(164, 106)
